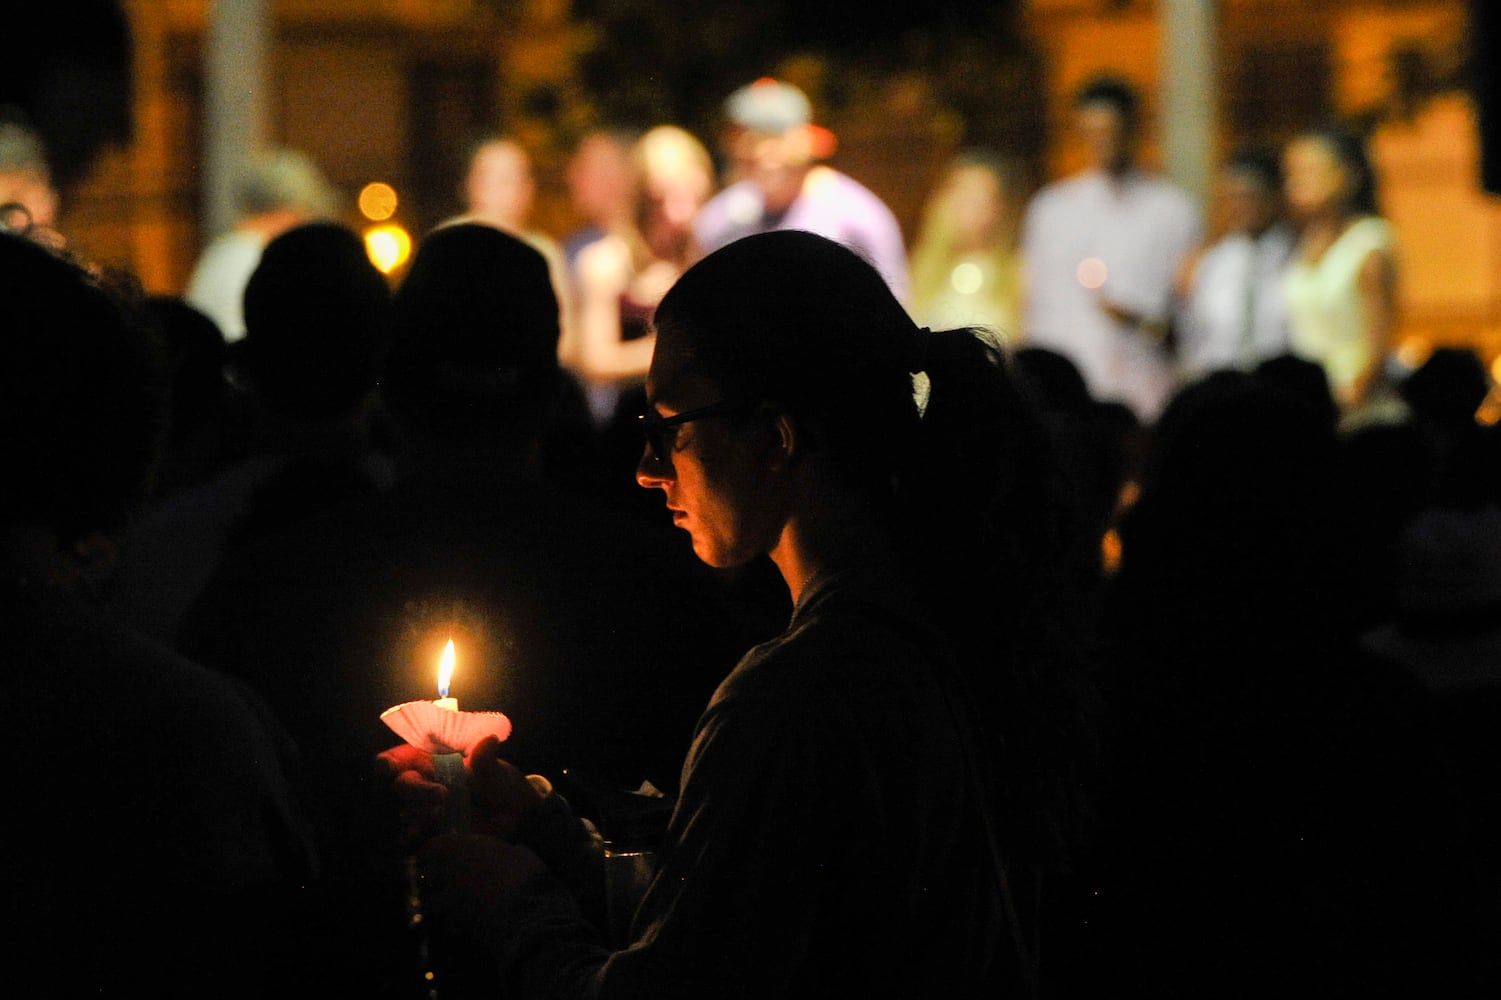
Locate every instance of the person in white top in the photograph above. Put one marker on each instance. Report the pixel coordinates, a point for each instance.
(1341, 287)
(1102, 251)
(1234, 314)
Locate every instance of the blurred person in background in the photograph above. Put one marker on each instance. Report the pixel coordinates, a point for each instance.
(25, 173)
(781, 183)
(1103, 250)
(1234, 313)
(601, 188)
(626, 272)
(966, 266)
(1342, 286)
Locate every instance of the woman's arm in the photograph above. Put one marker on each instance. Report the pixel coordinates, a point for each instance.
(604, 273)
(1376, 284)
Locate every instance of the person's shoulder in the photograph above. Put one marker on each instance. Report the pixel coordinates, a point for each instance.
(858, 618)
(851, 191)
(604, 262)
(1223, 249)
(717, 208)
(1375, 230)
(225, 256)
(1056, 194)
(728, 215)
(1171, 194)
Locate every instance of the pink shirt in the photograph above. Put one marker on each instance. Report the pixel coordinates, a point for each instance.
(831, 204)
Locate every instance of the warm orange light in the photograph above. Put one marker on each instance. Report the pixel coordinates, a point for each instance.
(388, 246)
(1413, 351)
(445, 672)
(1489, 412)
(377, 201)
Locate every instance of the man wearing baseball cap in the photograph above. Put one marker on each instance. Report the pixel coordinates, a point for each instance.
(782, 184)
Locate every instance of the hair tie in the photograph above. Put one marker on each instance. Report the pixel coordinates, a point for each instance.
(917, 349)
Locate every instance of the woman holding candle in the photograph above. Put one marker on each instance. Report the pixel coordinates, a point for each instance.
(870, 798)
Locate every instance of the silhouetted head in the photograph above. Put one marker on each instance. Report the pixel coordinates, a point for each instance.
(196, 355)
(1303, 380)
(81, 388)
(475, 345)
(1448, 387)
(1052, 379)
(317, 320)
(804, 322)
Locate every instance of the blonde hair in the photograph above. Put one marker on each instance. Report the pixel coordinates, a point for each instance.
(935, 251)
(663, 157)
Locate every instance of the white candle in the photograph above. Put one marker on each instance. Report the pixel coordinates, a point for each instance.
(450, 766)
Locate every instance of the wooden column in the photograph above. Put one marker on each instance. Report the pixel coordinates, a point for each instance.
(1190, 92)
(236, 106)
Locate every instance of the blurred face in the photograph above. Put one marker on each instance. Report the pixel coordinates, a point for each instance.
(1106, 135)
(974, 202)
(670, 204)
(499, 187)
(712, 470)
(1249, 206)
(776, 163)
(30, 188)
(1317, 182)
(599, 179)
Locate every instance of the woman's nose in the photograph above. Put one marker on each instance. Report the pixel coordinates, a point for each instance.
(652, 473)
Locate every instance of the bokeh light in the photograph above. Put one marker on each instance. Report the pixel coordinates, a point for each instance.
(389, 246)
(967, 278)
(1092, 272)
(377, 201)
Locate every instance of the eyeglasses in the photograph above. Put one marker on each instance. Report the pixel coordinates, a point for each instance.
(662, 432)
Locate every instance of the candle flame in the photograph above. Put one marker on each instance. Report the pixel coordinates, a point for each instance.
(445, 670)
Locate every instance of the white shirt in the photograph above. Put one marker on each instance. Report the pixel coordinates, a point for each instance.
(217, 286)
(1235, 315)
(1093, 237)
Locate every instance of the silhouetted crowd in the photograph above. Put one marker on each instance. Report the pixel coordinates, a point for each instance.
(1250, 718)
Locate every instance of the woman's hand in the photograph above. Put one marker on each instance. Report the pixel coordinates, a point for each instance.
(501, 795)
(421, 800)
(460, 876)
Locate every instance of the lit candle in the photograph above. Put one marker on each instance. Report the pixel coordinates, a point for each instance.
(445, 677)
(450, 766)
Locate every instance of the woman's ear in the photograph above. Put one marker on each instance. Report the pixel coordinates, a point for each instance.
(784, 437)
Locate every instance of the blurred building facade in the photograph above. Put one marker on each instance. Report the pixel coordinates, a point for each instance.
(392, 90)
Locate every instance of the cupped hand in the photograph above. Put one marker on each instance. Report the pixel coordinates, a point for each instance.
(460, 876)
(501, 795)
(421, 800)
